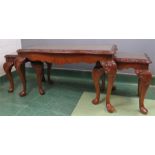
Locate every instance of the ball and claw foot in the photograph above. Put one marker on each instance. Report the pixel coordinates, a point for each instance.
(22, 93)
(41, 91)
(10, 90)
(143, 110)
(110, 108)
(95, 101)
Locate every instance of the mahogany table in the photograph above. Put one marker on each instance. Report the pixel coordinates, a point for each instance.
(103, 56)
(140, 64)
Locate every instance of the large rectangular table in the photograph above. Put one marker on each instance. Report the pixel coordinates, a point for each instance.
(102, 56)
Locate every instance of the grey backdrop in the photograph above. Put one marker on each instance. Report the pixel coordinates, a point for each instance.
(124, 45)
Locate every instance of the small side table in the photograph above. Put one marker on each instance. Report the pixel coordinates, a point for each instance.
(140, 63)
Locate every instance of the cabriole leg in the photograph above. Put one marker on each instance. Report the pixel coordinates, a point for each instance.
(110, 69)
(145, 77)
(20, 68)
(7, 68)
(38, 67)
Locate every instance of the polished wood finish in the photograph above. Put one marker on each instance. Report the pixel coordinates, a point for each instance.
(106, 60)
(10, 61)
(20, 68)
(140, 64)
(110, 69)
(49, 66)
(38, 67)
(103, 55)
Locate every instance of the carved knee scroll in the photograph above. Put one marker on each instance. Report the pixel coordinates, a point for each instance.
(145, 77)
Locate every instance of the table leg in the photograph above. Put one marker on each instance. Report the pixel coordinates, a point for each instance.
(110, 69)
(43, 78)
(7, 68)
(138, 86)
(97, 72)
(96, 75)
(103, 82)
(145, 77)
(49, 66)
(38, 67)
(20, 68)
